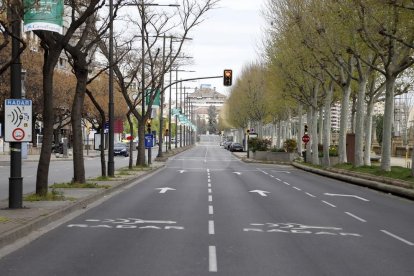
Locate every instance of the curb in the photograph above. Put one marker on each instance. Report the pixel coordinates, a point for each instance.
(361, 181)
(13, 235)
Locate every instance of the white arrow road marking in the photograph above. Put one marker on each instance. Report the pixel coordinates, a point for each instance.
(262, 193)
(358, 197)
(238, 173)
(182, 171)
(165, 189)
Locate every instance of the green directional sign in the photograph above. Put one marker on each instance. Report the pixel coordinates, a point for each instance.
(157, 100)
(46, 15)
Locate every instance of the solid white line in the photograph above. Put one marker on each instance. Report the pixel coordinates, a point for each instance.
(210, 210)
(209, 191)
(212, 259)
(311, 195)
(355, 217)
(327, 203)
(286, 183)
(296, 188)
(210, 198)
(398, 238)
(211, 227)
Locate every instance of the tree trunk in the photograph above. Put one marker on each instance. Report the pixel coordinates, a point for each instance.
(289, 124)
(300, 129)
(320, 126)
(368, 132)
(314, 126)
(76, 120)
(279, 134)
(131, 142)
(359, 124)
(327, 127)
(344, 124)
(141, 143)
(51, 58)
(314, 137)
(387, 125)
(308, 145)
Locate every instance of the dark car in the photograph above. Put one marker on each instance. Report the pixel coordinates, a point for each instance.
(121, 149)
(57, 148)
(236, 147)
(226, 145)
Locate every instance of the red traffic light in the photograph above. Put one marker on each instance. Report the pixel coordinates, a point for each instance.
(227, 77)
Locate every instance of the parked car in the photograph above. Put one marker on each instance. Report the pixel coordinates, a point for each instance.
(121, 149)
(57, 148)
(236, 147)
(226, 145)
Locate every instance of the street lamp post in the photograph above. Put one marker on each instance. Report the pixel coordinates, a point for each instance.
(16, 179)
(111, 163)
(162, 101)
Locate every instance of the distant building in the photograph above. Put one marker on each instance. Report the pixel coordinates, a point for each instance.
(204, 97)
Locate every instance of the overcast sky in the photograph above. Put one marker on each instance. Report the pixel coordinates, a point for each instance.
(229, 38)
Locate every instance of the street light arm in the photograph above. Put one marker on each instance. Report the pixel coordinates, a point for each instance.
(191, 79)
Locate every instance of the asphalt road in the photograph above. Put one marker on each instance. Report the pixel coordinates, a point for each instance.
(208, 213)
(60, 171)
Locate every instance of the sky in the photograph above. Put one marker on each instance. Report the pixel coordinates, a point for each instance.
(229, 38)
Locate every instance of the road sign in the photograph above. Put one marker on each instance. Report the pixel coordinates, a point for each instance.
(18, 120)
(305, 138)
(149, 140)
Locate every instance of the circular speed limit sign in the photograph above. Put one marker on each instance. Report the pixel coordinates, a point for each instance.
(18, 134)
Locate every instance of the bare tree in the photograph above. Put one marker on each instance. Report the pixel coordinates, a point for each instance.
(53, 45)
(153, 25)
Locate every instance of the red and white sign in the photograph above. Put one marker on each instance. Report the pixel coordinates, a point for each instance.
(18, 134)
(18, 120)
(305, 138)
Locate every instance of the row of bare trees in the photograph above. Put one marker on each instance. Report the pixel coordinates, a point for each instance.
(321, 52)
(140, 57)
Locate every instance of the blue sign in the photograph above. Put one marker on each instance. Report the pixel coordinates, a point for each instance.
(149, 140)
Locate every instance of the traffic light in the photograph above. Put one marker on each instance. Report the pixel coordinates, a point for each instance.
(227, 77)
(306, 128)
(149, 126)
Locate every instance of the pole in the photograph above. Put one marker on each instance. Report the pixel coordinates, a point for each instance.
(185, 115)
(143, 73)
(169, 104)
(16, 179)
(176, 107)
(162, 100)
(181, 111)
(111, 165)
